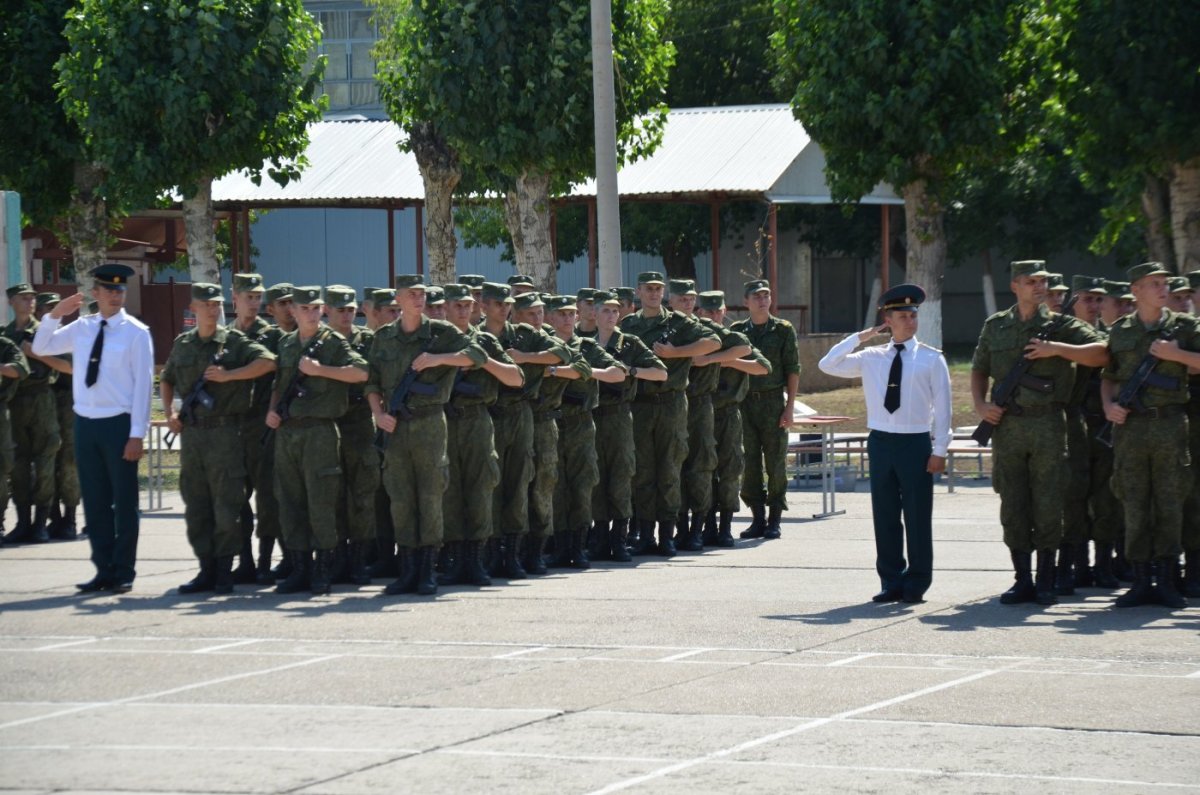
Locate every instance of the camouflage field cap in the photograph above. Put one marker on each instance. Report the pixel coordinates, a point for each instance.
(1179, 284)
(24, 288)
(497, 292)
(247, 283)
(435, 295)
(457, 292)
(1028, 267)
(410, 281)
(520, 279)
(626, 294)
(383, 296)
(711, 300)
(203, 291)
(278, 292)
(606, 297)
(1088, 284)
(46, 299)
(1146, 269)
(529, 301)
(756, 286)
(1055, 282)
(1117, 289)
(308, 296)
(682, 287)
(472, 280)
(339, 296)
(556, 303)
(585, 294)
(651, 277)
(1193, 278)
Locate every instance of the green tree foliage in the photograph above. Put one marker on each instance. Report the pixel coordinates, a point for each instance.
(723, 54)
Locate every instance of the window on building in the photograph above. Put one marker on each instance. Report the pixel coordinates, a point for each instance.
(347, 38)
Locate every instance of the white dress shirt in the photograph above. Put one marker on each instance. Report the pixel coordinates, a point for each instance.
(126, 379)
(924, 386)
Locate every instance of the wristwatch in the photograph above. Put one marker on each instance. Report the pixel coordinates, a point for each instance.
(633, 371)
(553, 369)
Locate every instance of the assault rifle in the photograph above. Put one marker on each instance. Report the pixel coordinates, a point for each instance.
(1004, 392)
(1130, 396)
(295, 389)
(398, 405)
(198, 396)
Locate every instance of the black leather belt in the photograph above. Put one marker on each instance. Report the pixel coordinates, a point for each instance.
(1044, 410)
(763, 394)
(420, 412)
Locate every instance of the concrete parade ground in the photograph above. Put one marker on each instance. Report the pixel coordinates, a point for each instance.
(764, 668)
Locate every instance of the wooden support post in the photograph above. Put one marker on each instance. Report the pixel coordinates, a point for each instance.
(234, 243)
(773, 261)
(714, 222)
(391, 237)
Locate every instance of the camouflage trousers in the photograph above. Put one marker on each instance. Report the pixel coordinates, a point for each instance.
(764, 480)
(7, 454)
(1151, 477)
(578, 472)
(415, 471)
(473, 475)
(545, 475)
(308, 482)
(727, 479)
(612, 498)
(1075, 500)
(660, 439)
(1190, 536)
(514, 454)
(360, 475)
(36, 438)
(1104, 509)
(66, 474)
(260, 473)
(1029, 472)
(701, 461)
(212, 482)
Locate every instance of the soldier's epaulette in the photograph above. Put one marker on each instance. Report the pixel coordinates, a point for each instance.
(783, 323)
(334, 334)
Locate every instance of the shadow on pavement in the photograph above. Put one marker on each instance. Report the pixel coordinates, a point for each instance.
(844, 615)
(1070, 618)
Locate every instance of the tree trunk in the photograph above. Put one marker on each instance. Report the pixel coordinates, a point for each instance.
(87, 225)
(440, 173)
(1185, 215)
(198, 226)
(1156, 207)
(527, 213)
(925, 264)
(989, 284)
(679, 260)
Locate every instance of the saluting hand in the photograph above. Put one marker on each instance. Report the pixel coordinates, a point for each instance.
(66, 306)
(867, 333)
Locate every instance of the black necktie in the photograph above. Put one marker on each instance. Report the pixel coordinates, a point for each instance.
(93, 370)
(891, 400)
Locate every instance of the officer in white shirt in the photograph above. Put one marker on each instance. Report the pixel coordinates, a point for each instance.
(907, 388)
(112, 390)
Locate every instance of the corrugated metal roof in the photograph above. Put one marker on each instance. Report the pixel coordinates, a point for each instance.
(750, 150)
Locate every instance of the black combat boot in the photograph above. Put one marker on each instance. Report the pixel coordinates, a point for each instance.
(454, 574)
(759, 524)
(666, 543)
(300, 563)
(473, 572)
(41, 515)
(445, 558)
(1141, 592)
(283, 569)
(1165, 591)
(725, 530)
(339, 564)
(407, 582)
(617, 538)
(560, 558)
(512, 568)
(1022, 590)
(321, 581)
(681, 529)
(1083, 571)
(709, 537)
(578, 550)
(385, 562)
(245, 573)
(359, 575)
(1103, 573)
(692, 536)
(773, 530)
(1122, 567)
(493, 556)
(1044, 584)
(1064, 573)
(224, 575)
(600, 541)
(22, 532)
(55, 520)
(647, 544)
(206, 580)
(1191, 575)
(66, 527)
(262, 572)
(426, 582)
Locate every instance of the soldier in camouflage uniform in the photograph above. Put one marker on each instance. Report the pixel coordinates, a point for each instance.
(471, 445)
(1180, 297)
(475, 282)
(533, 350)
(1190, 534)
(1029, 461)
(1151, 468)
(66, 475)
(521, 284)
(578, 471)
(733, 384)
(280, 306)
(317, 366)
(767, 412)
(212, 370)
(547, 408)
(385, 310)
(435, 303)
(34, 424)
(13, 367)
(360, 460)
(627, 296)
(612, 499)
(415, 466)
(585, 301)
(660, 412)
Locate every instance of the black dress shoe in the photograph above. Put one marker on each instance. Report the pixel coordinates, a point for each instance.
(97, 583)
(121, 586)
(913, 598)
(888, 595)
